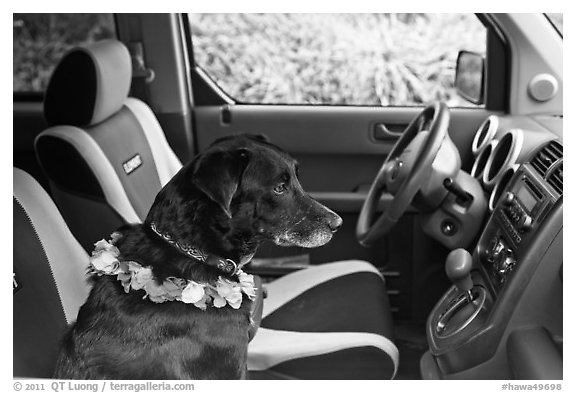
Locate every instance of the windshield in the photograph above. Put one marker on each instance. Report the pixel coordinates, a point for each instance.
(558, 21)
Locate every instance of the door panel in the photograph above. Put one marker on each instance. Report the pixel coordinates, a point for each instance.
(329, 140)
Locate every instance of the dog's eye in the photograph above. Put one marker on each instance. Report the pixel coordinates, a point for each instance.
(280, 188)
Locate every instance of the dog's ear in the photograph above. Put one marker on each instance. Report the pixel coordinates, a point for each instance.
(217, 174)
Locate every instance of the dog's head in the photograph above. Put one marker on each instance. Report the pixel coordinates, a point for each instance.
(256, 184)
(253, 187)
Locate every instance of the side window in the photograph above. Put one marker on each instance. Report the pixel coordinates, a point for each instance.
(336, 59)
(40, 40)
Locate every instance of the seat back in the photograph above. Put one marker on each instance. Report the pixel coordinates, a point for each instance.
(49, 280)
(106, 156)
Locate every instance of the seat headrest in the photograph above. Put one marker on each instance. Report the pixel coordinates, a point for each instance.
(89, 84)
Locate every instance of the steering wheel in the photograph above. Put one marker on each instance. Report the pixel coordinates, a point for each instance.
(404, 172)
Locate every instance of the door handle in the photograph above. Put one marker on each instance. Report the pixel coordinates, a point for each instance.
(383, 132)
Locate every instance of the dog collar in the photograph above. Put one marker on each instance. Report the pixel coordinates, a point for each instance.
(223, 264)
(105, 260)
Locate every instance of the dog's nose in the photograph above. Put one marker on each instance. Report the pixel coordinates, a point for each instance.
(335, 223)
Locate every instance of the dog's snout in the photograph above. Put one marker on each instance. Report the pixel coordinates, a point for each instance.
(335, 223)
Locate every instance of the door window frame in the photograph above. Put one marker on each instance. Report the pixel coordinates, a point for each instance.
(207, 92)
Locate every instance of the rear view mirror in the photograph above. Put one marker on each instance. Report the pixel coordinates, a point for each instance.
(470, 76)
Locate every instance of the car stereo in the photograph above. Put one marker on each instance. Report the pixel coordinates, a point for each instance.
(517, 215)
(520, 207)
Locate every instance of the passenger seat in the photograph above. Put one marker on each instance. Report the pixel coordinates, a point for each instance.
(49, 269)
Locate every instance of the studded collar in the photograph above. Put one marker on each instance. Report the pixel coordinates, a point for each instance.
(223, 264)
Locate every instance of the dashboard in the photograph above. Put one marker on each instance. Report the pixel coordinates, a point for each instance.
(512, 325)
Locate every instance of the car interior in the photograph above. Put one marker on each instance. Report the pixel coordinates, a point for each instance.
(449, 262)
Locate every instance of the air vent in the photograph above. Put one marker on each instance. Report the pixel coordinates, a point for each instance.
(556, 179)
(546, 157)
(485, 134)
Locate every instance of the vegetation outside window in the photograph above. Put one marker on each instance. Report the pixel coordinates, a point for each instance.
(336, 59)
(40, 40)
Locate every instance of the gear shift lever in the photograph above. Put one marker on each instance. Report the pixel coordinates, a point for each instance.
(458, 266)
(464, 307)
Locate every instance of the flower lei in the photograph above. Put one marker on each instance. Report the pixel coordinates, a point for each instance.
(132, 275)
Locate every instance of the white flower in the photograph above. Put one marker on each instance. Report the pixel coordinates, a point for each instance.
(218, 301)
(235, 300)
(247, 284)
(105, 262)
(193, 292)
(230, 291)
(141, 277)
(245, 278)
(224, 287)
(103, 245)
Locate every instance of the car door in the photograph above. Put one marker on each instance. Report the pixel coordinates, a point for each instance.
(336, 91)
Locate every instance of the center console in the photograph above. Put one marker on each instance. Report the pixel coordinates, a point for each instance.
(468, 329)
(522, 208)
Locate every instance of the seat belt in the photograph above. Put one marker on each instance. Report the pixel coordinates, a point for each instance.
(141, 74)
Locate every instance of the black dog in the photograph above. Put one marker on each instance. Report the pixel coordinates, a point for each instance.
(241, 191)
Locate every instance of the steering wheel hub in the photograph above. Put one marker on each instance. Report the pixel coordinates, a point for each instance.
(403, 172)
(394, 169)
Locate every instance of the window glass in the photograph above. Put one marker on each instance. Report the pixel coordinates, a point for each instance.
(336, 59)
(40, 40)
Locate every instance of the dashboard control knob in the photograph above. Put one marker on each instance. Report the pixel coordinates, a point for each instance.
(490, 248)
(507, 263)
(509, 198)
(494, 250)
(526, 223)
